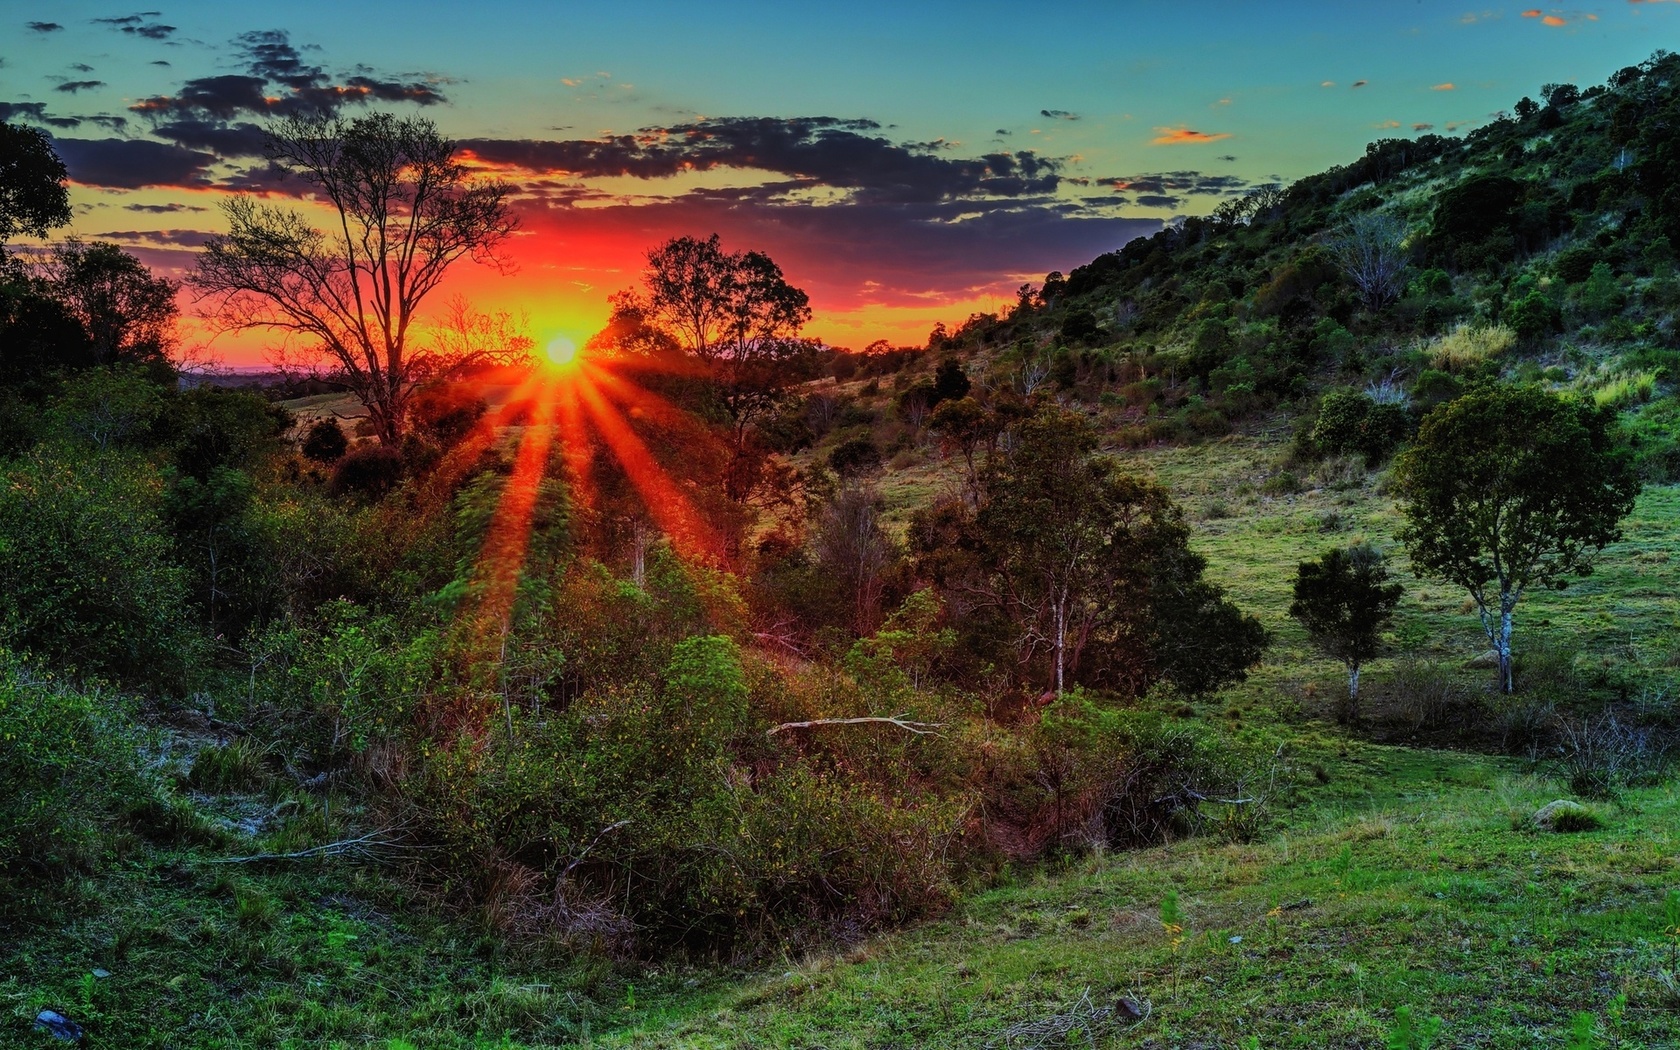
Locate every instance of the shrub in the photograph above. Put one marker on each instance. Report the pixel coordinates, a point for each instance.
(325, 441)
(855, 456)
(67, 763)
(1352, 422)
(370, 471)
(87, 572)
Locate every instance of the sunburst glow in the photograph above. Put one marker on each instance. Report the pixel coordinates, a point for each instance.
(561, 351)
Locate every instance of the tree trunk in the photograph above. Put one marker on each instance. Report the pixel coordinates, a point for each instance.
(1503, 647)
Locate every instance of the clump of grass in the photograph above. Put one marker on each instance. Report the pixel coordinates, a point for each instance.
(1467, 348)
(236, 766)
(1622, 388)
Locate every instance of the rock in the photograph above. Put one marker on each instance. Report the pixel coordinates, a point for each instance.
(1129, 1009)
(59, 1027)
(101, 973)
(1488, 661)
(1564, 815)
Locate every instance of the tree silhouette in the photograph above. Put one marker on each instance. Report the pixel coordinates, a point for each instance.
(33, 198)
(405, 212)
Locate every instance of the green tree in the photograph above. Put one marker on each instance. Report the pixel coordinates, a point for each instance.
(87, 572)
(33, 197)
(1510, 488)
(1344, 600)
(1090, 569)
(405, 211)
(737, 315)
(128, 314)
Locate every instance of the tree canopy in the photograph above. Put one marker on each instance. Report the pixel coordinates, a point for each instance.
(33, 197)
(1510, 488)
(1344, 599)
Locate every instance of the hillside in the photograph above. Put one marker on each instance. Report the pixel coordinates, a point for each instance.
(596, 709)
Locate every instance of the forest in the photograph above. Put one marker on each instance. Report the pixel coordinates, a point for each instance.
(707, 684)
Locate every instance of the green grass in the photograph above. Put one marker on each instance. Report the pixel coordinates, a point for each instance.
(1393, 877)
(1431, 896)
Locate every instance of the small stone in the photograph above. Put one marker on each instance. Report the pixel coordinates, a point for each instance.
(1485, 662)
(1237, 939)
(59, 1027)
(101, 973)
(1128, 1008)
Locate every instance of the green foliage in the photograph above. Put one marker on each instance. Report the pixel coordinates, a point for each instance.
(1351, 422)
(1344, 600)
(88, 577)
(1512, 488)
(333, 690)
(1412, 1034)
(67, 758)
(1533, 317)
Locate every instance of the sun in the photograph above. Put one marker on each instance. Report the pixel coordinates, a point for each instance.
(561, 351)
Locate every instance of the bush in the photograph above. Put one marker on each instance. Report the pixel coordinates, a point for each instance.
(88, 578)
(855, 456)
(1352, 422)
(370, 471)
(325, 442)
(67, 763)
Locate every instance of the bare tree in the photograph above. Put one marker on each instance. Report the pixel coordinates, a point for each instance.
(405, 212)
(1371, 251)
(852, 546)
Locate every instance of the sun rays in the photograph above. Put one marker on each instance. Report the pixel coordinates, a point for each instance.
(569, 412)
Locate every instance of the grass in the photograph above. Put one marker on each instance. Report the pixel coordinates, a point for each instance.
(1426, 897)
(1390, 877)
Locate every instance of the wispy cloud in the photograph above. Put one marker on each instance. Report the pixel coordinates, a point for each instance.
(1448, 86)
(1182, 136)
(1058, 114)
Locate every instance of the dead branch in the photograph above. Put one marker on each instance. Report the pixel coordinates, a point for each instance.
(919, 728)
(364, 845)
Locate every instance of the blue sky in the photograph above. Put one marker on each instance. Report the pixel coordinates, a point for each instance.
(972, 146)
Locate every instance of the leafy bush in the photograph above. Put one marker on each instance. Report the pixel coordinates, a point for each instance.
(88, 578)
(371, 471)
(1352, 422)
(67, 763)
(325, 441)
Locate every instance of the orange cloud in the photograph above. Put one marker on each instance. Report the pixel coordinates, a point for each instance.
(1385, 125)
(1182, 136)
(1554, 20)
(1532, 13)
(1448, 86)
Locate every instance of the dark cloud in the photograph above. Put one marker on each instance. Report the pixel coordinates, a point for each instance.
(1156, 200)
(1228, 158)
(223, 96)
(157, 238)
(137, 25)
(1058, 114)
(82, 67)
(1161, 184)
(37, 112)
(44, 27)
(279, 82)
(162, 209)
(159, 62)
(131, 163)
(74, 86)
(108, 120)
(1003, 131)
(224, 139)
(813, 151)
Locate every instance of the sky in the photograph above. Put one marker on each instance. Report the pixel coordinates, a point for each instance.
(905, 163)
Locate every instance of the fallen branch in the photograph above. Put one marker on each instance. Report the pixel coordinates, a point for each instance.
(363, 845)
(919, 728)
